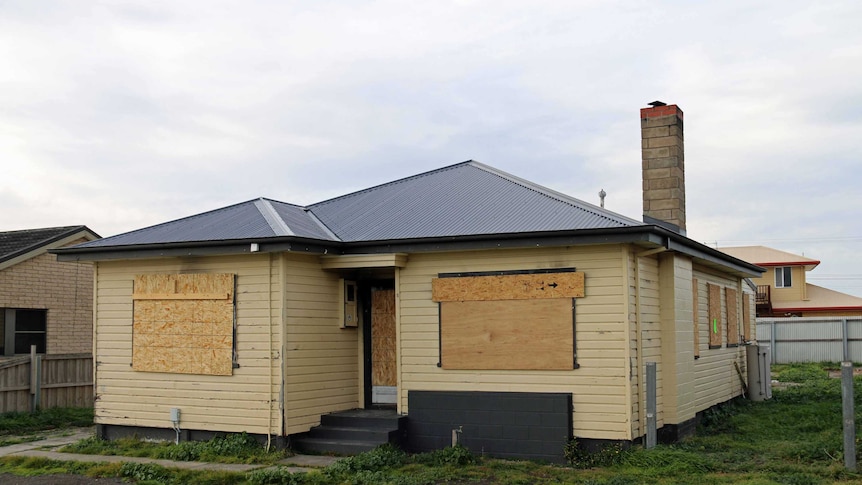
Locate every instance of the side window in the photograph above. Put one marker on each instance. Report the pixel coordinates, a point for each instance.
(22, 328)
(783, 277)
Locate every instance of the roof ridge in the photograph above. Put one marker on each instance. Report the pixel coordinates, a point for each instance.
(276, 223)
(392, 182)
(193, 216)
(559, 196)
(321, 224)
(66, 232)
(43, 229)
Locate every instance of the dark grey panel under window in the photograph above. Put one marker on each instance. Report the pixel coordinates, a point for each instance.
(500, 424)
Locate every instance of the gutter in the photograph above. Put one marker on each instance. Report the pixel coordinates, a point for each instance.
(648, 236)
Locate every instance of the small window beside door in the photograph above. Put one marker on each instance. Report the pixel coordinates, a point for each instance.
(783, 277)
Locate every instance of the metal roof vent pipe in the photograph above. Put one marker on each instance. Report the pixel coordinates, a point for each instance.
(663, 166)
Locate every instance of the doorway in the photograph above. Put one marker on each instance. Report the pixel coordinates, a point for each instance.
(381, 365)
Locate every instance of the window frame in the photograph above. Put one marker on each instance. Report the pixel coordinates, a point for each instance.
(12, 331)
(786, 280)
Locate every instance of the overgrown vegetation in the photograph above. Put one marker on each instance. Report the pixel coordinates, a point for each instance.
(231, 448)
(43, 420)
(794, 439)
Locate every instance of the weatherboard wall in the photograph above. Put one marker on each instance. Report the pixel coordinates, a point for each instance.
(247, 400)
(715, 377)
(643, 337)
(321, 358)
(598, 386)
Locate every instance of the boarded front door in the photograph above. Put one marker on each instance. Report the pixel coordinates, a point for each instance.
(383, 363)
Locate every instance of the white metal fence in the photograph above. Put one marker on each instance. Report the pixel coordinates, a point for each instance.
(811, 339)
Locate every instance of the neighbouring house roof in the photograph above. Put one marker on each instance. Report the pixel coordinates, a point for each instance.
(14, 244)
(820, 298)
(466, 203)
(766, 256)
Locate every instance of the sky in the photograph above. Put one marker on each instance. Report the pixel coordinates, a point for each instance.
(123, 114)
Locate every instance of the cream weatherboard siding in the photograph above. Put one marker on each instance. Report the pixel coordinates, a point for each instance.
(599, 387)
(715, 378)
(244, 401)
(644, 324)
(321, 359)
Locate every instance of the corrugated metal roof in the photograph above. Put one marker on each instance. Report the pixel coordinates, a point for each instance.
(468, 198)
(464, 199)
(13, 243)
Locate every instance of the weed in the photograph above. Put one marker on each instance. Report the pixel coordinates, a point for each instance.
(273, 476)
(144, 472)
(381, 458)
(455, 455)
(232, 448)
(579, 457)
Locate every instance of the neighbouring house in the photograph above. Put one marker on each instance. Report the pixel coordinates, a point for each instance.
(463, 301)
(782, 290)
(45, 302)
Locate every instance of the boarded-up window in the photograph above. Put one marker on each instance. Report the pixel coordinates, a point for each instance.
(183, 323)
(508, 321)
(746, 317)
(695, 317)
(732, 303)
(714, 313)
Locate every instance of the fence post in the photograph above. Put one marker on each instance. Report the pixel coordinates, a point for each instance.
(35, 379)
(772, 341)
(650, 405)
(844, 341)
(849, 416)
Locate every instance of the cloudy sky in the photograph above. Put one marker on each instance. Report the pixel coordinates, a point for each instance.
(124, 114)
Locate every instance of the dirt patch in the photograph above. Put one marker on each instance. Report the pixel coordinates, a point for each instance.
(857, 371)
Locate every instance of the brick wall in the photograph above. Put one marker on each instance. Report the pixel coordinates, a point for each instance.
(64, 289)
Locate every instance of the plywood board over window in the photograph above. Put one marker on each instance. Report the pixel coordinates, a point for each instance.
(732, 317)
(714, 295)
(746, 317)
(183, 323)
(508, 321)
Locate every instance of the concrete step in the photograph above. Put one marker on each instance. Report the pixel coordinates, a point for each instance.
(337, 446)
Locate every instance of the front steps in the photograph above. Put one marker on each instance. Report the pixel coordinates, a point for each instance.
(353, 432)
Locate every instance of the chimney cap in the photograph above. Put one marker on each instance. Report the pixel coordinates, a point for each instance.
(657, 103)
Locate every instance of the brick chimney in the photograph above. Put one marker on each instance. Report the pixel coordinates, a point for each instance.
(663, 166)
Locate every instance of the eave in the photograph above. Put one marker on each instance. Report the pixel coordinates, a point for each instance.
(647, 236)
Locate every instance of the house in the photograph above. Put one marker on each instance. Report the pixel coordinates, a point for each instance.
(782, 290)
(467, 300)
(44, 302)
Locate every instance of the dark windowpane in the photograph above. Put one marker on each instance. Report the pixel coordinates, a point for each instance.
(787, 281)
(30, 320)
(23, 341)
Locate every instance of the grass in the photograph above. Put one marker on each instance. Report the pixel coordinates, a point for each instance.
(43, 420)
(232, 448)
(793, 439)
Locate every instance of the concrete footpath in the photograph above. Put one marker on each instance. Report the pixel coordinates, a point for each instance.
(47, 448)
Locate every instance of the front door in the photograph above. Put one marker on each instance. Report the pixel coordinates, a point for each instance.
(383, 355)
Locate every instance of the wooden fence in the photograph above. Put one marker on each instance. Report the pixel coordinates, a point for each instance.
(46, 381)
